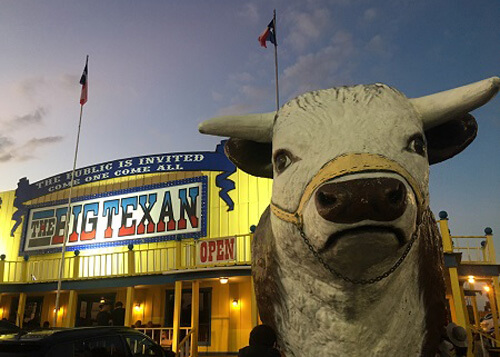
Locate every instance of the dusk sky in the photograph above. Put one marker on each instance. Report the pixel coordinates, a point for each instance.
(158, 68)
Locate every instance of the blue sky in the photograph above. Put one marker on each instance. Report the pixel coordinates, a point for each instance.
(158, 68)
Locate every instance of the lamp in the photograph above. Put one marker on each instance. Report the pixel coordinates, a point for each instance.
(487, 288)
(102, 301)
(137, 307)
(235, 303)
(223, 280)
(471, 279)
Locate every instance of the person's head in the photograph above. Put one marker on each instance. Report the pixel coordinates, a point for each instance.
(101, 307)
(46, 324)
(150, 324)
(118, 304)
(262, 335)
(138, 323)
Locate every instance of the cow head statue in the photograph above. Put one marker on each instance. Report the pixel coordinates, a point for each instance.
(347, 260)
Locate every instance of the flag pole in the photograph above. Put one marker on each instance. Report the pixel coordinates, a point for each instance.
(68, 210)
(276, 61)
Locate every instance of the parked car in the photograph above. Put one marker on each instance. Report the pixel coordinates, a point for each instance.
(79, 342)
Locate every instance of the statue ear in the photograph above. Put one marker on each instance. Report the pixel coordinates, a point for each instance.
(250, 156)
(450, 138)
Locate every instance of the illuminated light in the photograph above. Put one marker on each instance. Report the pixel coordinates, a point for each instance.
(103, 300)
(137, 307)
(235, 303)
(487, 288)
(471, 279)
(223, 280)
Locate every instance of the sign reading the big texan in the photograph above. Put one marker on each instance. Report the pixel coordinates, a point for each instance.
(147, 214)
(170, 162)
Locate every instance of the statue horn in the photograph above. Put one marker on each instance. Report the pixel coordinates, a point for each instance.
(438, 108)
(255, 127)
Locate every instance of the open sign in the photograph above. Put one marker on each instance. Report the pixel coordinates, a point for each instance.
(216, 251)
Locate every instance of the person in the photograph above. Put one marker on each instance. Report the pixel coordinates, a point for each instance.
(46, 324)
(138, 324)
(118, 314)
(458, 337)
(103, 316)
(262, 343)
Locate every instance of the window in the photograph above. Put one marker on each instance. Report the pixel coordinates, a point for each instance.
(142, 346)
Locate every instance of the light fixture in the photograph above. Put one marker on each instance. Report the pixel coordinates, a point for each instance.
(487, 288)
(102, 301)
(223, 280)
(235, 302)
(137, 307)
(471, 279)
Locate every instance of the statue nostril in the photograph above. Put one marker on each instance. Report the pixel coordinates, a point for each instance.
(326, 199)
(396, 196)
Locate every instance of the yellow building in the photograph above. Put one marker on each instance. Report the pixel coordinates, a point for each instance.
(156, 233)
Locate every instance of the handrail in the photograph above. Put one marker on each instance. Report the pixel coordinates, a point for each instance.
(484, 334)
(185, 344)
(124, 263)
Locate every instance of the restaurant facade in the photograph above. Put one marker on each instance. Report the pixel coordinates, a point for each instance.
(167, 235)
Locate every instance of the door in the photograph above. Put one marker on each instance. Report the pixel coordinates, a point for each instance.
(88, 307)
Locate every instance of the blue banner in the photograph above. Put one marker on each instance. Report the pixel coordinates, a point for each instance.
(158, 163)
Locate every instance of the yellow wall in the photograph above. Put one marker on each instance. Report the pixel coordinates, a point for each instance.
(251, 196)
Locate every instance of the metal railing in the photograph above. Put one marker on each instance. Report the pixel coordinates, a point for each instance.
(476, 249)
(163, 335)
(181, 256)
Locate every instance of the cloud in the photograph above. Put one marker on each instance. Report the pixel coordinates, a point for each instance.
(24, 121)
(379, 46)
(370, 14)
(29, 87)
(249, 12)
(26, 151)
(322, 69)
(235, 109)
(305, 27)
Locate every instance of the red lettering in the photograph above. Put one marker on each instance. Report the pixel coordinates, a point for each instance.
(220, 250)
(211, 250)
(203, 252)
(229, 245)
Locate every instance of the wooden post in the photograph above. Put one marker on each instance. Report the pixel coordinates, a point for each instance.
(445, 232)
(129, 305)
(24, 270)
(71, 309)
(254, 307)
(131, 260)
(494, 309)
(195, 317)
(2, 267)
(76, 266)
(178, 255)
(177, 316)
(20, 309)
(458, 300)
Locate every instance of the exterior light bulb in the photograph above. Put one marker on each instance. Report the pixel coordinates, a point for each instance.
(137, 307)
(471, 279)
(487, 288)
(235, 303)
(223, 280)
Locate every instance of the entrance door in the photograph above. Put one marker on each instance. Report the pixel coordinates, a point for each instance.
(88, 307)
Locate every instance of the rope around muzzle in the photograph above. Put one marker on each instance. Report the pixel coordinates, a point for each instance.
(341, 166)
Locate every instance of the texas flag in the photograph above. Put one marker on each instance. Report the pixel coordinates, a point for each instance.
(268, 34)
(84, 83)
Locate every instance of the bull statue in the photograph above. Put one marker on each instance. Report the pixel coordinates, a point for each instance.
(347, 259)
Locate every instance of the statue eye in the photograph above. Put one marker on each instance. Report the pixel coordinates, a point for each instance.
(416, 144)
(282, 159)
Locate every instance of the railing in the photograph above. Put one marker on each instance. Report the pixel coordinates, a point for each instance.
(184, 255)
(163, 335)
(476, 249)
(185, 345)
(490, 343)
